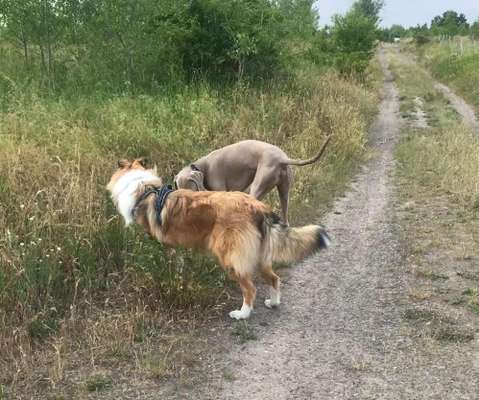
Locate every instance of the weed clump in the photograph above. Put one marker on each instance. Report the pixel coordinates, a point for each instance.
(97, 383)
(244, 332)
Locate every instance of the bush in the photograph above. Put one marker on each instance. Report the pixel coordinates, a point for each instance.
(353, 36)
(421, 38)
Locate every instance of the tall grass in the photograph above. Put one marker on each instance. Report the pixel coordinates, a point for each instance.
(456, 62)
(63, 250)
(446, 161)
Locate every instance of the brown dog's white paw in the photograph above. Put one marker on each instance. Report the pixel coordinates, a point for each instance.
(271, 304)
(244, 313)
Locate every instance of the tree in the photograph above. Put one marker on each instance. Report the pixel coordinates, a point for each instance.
(474, 30)
(18, 18)
(450, 23)
(353, 36)
(234, 37)
(300, 19)
(35, 22)
(368, 8)
(118, 44)
(349, 43)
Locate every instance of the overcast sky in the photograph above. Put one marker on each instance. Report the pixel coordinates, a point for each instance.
(403, 12)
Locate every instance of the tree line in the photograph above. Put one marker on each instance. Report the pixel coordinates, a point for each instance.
(145, 43)
(449, 24)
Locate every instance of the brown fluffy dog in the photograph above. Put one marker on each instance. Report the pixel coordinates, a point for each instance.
(239, 230)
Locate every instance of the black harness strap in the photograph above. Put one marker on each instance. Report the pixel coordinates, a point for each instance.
(161, 196)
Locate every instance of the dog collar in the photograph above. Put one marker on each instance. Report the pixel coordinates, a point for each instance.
(161, 196)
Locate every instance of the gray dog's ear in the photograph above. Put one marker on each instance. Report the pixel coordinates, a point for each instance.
(197, 178)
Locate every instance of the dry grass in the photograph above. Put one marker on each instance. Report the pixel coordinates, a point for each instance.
(80, 293)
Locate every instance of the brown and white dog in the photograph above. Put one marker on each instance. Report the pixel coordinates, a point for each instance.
(239, 230)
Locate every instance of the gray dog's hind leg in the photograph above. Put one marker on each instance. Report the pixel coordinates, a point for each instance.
(285, 181)
(264, 181)
(283, 191)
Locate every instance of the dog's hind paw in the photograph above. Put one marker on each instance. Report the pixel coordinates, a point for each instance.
(270, 304)
(244, 313)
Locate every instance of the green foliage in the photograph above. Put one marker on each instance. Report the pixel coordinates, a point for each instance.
(236, 38)
(349, 43)
(368, 8)
(389, 34)
(450, 23)
(353, 36)
(421, 38)
(474, 30)
(121, 45)
(444, 26)
(97, 383)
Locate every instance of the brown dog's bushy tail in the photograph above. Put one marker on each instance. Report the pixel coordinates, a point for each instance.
(284, 244)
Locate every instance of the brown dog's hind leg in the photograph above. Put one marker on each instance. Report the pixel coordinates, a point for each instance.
(273, 280)
(249, 293)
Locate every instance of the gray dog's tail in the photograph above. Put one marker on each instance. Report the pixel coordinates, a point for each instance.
(312, 159)
(287, 245)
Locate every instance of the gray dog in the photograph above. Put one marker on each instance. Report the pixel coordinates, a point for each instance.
(249, 163)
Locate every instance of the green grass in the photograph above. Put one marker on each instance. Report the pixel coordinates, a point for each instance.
(97, 383)
(431, 275)
(419, 315)
(437, 326)
(243, 331)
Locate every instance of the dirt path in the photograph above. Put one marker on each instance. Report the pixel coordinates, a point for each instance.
(462, 108)
(329, 338)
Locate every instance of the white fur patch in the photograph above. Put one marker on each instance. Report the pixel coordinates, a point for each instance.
(244, 313)
(124, 190)
(275, 299)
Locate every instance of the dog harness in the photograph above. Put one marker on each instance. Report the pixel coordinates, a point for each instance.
(161, 196)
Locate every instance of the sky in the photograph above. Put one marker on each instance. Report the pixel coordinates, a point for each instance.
(403, 12)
